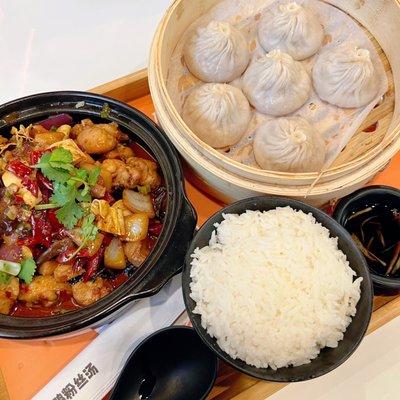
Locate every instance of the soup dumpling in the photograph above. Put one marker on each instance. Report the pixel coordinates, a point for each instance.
(217, 52)
(276, 84)
(293, 29)
(289, 145)
(345, 76)
(217, 113)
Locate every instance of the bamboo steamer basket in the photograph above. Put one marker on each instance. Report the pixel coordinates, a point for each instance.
(363, 157)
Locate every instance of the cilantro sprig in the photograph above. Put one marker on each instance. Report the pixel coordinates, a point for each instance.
(28, 268)
(56, 165)
(89, 232)
(71, 186)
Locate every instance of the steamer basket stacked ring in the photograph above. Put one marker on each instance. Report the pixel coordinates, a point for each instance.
(375, 142)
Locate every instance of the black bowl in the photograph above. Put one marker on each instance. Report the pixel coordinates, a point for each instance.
(361, 198)
(172, 363)
(167, 256)
(329, 358)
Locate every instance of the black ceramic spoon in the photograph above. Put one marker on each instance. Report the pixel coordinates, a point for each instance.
(171, 364)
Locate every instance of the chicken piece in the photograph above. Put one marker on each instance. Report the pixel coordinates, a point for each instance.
(97, 138)
(48, 267)
(8, 294)
(135, 171)
(86, 293)
(42, 290)
(121, 152)
(65, 272)
(98, 191)
(78, 128)
(136, 252)
(122, 174)
(147, 169)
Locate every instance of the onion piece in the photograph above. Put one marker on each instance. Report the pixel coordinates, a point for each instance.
(138, 202)
(56, 121)
(137, 226)
(114, 256)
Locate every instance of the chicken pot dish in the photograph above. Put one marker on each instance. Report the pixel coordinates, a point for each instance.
(81, 207)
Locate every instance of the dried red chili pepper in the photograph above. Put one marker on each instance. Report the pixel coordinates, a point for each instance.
(35, 156)
(41, 231)
(155, 228)
(57, 227)
(93, 264)
(19, 168)
(18, 199)
(108, 197)
(43, 182)
(31, 185)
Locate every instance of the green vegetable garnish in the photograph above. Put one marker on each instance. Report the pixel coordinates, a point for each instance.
(24, 271)
(144, 189)
(89, 232)
(56, 165)
(71, 186)
(28, 268)
(105, 111)
(9, 267)
(4, 278)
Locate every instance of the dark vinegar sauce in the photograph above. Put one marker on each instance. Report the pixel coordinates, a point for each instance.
(376, 230)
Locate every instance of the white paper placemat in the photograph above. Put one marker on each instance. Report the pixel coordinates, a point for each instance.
(371, 373)
(92, 374)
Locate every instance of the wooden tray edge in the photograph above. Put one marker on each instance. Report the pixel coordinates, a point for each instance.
(127, 88)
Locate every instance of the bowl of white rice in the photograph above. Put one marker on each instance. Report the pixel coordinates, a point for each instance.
(277, 289)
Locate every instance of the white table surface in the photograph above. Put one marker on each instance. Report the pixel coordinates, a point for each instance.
(74, 44)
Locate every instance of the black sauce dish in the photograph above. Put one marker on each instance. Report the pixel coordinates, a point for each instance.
(172, 363)
(180, 217)
(329, 358)
(384, 197)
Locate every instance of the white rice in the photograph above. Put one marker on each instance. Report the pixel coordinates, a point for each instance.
(273, 288)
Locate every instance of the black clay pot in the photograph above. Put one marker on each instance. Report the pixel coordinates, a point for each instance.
(167, 256)
(329, 358)
(383, 285)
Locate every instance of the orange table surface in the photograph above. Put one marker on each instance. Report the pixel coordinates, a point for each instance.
(25, 367)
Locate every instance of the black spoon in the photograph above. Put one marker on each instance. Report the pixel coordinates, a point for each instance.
(171, 364)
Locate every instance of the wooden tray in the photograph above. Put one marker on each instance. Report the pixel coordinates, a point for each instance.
(19, 381)
(230, 384)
